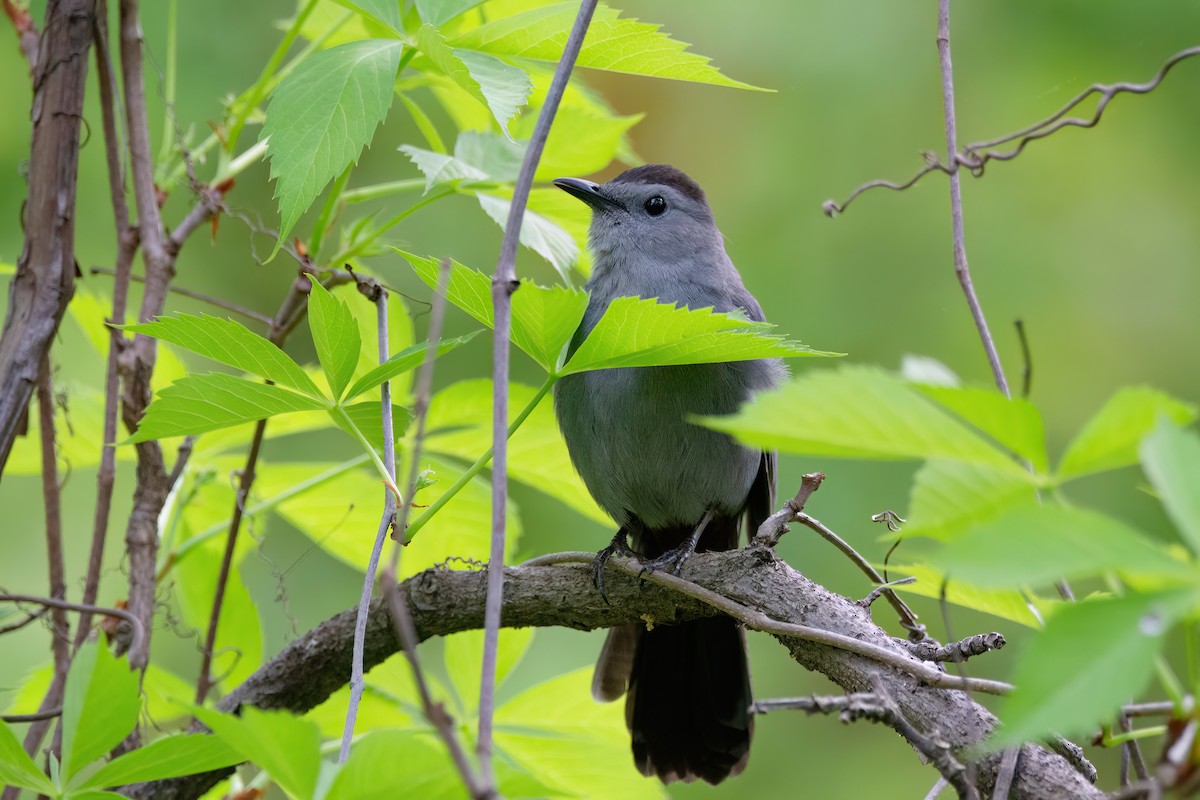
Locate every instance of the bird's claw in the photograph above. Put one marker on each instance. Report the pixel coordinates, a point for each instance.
(619, 546)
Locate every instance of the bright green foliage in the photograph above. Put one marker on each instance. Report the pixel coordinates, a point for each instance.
(636, 332)
(435, 12)
(283, 745)
(539, 234)
(439, 168)
(612, 43)
(201, 403)
(229, 343)
(322, 115)
(1015, 423)
(543, 319)
(16, 767)
(1171, 460)
(100, 706)
(501, 87)
(1007, 604)
(1110, 439)
(460, 425)
(335, 335)
(858, 412)
(1068, 543)
(948, 497)
(1092, 657)
(385, 12)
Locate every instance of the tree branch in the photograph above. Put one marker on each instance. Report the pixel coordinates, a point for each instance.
(442, 602)
(45, 278)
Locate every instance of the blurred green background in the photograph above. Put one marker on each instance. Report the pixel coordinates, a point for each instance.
(1091, 237)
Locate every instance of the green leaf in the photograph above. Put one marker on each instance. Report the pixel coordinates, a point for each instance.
(554, 730)
(1110, 439)
(17, 768)
(539, 234)
(612, 43)
(335, 335)
(459, 424)
(497, 156)
(169, 757)
(367, 417)
(229, 343)
(402, 362)
(441, 168)
(1092, 657)
(638, 332)
(501, 87)
(1007, 604)
(1171, 460)
(435, 12)
(386, 764)
(464, 656)
(1014, 423)
(949, 497)
(335, 513)
(100, 706)
(285, 746)
(858, 412)
(385, 12)
(201, 403)
(320, 117)
(543, 321)
(1035, 545)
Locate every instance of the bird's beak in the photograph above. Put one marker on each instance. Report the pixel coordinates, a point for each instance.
(588, 192)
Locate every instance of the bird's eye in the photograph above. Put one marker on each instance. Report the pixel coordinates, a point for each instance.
(655, 206)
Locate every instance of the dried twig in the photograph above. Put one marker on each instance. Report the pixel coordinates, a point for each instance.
(848, 707)
(217, 302)
(955, 651)
(1008, 771)
(136, 636)
(976, 155)
(504, 283)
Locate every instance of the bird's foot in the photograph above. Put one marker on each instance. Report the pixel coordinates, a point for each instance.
(619, 546)
(675, 558)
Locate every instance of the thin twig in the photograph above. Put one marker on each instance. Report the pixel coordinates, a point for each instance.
(1008, 771)
(937, 789)
(961, 268)
(1151, 709)
(127, 244)
(975, 156)
(1142, 790)
(757, 620)
(1026, 359)
(504, 283)
(233, 308)
(848, 707)
(1132, 750)
(26, 30)
(60, 632)
(29, 618)
(935, 750)
(955, 651)
(137, 632)
(435, 712)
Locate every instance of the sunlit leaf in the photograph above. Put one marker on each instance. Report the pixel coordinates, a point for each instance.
(229, 343)
(1037, 544)
(1092, 657)
(543, 319)
(385, 12)
(335, 335)
(201, 403)
(1109, 440)
(460, 425)
(501, 87)
(396, 763)
(285, 746)
(435, 12)
(1013, 422)
(402, 362)
(858, 412)
(441, 168)
(100, 706)
(464, 659)
(1007, 604)
(1171, 460)
(949, 497)
(539, 234)
(321, 116)
(17, 768)
(169, 757)
(612, 43)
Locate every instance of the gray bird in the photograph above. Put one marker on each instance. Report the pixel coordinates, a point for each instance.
(673, 486)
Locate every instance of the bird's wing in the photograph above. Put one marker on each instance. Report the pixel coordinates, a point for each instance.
(760, 503)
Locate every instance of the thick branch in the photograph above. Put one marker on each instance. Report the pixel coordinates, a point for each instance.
(444, 602)
(45, 278)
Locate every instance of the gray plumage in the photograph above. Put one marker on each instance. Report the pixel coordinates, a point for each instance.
(653, 236)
